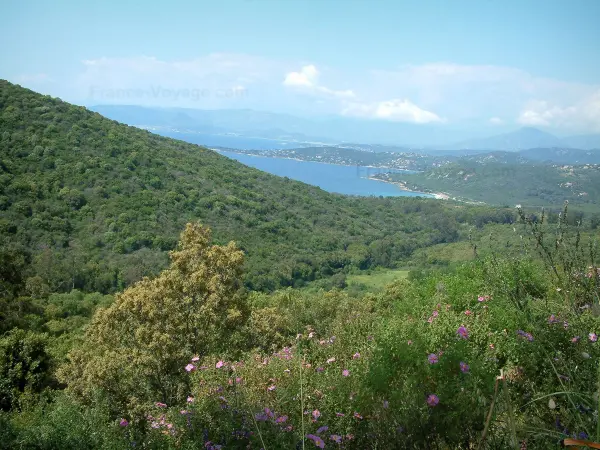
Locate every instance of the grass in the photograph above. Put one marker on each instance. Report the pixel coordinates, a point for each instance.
(377, 279)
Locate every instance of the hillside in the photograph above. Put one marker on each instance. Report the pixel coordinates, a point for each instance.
(89, 203)
(495, 179)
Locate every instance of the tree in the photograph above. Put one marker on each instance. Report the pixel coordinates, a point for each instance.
(136, 349)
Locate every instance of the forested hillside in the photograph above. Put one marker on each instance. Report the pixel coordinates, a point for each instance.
(88, 203)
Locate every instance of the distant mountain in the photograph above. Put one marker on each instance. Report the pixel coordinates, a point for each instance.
(562, 155)
(521, 139)
(586, 141)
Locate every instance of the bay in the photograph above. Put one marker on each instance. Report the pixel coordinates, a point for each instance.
(349, 180)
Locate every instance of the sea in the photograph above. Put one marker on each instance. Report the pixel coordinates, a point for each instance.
(348, 180)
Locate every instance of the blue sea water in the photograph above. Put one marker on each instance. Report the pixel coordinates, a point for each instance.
(349, 180)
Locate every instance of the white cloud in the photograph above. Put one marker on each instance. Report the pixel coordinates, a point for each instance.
(394, 110)
(583, 114)
(496, 121)
(308, 77)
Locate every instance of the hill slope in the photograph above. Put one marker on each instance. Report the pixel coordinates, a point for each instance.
(89, 203)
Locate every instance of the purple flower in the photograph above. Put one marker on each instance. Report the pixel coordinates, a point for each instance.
(319, 369)
(271, 388)
(386, 404)
(462, 332)
(339, 414)
(357, 416)
(123, 423)
(322, 429)
(356, 355)
(190, 399)
(525, 335)
(317, 440)
(269, 413)
(261, 417)
(435, 313)
(345, 372)
(336, 438)
(593, 337)
(552, 319)
(190, 367)
(464, 367)
(432, 358)
(432, 400)
(281, 419)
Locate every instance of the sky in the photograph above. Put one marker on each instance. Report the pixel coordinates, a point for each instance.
(490, 65)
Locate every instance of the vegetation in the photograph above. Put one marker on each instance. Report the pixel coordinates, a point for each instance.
(485, 180)
(485, 338)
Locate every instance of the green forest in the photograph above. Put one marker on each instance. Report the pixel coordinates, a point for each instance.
(155, 294)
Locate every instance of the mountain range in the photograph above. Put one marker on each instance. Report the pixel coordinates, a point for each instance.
(340, 130)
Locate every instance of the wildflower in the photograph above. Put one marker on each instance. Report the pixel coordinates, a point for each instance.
(332, 339)
(464, 367)
(336, 438)
(317, 440)
(316, 414)
(435, 313)
(261, 417)
(298, 336)
(322, 342)
(322, 429)
(552, 319)
(369, 338)
(281, 419)
(288, 428)
(565, 324)
(386, 404)
(349, 436)
(269, 413)
(358, 416)
(183, 412)
(432, 358)
(345, 372)
(123, 423)
(160, 405)
(492, 347)
(432, 400)
(356, 355)
(219, 364)
(527, 336)
(190, 367)
(238, 380)
(593, 337)
(330, 360)
(286, 371)
(409, 342)
(271, 388)
(339, 414)
(319, 369)
(468, 312)
(311, 334)
(481, 298)
(462, 332)
(575, 340)
(195, 358)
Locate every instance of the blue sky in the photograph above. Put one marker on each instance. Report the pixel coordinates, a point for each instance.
(486, 64)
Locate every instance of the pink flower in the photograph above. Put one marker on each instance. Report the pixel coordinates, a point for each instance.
(464, 367)
(345, 372)
(219, 364)
(339, 414)
(358, 416)
(462, 332)
(336, 438)
(271, 388)
(432, 400)
(409, 342)
(281, 419)
(190, 399)
(432, 358)
(316, 414)
(123, 423)
(319, 369)
(593, 337)
(575, 340)
(160, 405)
(190, 367)
(195, 358)
(468, 312)
(356, 355)
(435, 313)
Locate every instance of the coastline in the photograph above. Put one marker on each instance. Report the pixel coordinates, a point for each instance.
(437, 195)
